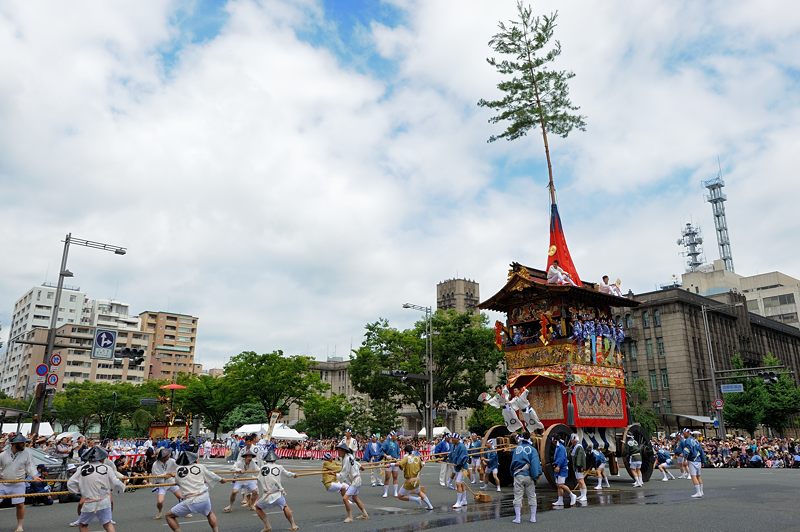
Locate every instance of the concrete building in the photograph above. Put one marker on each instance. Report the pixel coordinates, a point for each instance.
(74, 344)
(216, 372)
(335, 372)
(773, 295)
(462, 295)
(173, 339)
(111, 314)
(31, 311)
(666, 345)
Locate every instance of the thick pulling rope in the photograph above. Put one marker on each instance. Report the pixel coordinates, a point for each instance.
(51, 493)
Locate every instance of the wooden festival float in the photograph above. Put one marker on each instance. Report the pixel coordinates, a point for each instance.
(575, 380)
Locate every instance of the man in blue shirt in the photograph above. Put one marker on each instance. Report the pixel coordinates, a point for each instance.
(458, 458)
(441, 448)
(526, 469)
(491, 463)
(694, 457)
(392, 451)
(561, 470)
(679, 455)
(599, 466)
(474, 451)
(373, 452)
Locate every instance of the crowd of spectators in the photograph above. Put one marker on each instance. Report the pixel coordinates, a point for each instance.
(736, 452)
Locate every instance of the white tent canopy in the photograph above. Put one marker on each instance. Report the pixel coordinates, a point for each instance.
(437, 431)
(44, 428)
(282, 431)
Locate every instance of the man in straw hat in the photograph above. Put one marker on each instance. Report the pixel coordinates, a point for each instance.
(412, 490)
(274, 494)
(164, 465)
(526, 468)
(193, 479)
(16, 463)
(246, 466)
(95, 482)
(351, 476)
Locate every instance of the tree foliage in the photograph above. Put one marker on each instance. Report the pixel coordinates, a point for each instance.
(244, 414)
(484, 418)
(463, 352)
(210, 398)
(535, 94)
(326, 417)
(273, 380)
(637, 400)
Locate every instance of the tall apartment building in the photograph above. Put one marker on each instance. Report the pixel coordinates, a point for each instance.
(31, 311)
(773, 295)
(666, 345)
(462, 295)
(173, 339)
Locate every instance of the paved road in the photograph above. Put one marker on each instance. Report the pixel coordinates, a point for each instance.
(735, 500)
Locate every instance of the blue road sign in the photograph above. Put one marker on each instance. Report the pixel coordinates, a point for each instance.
(105, 341)
(52, 379)
(41, 370)
(732, 388)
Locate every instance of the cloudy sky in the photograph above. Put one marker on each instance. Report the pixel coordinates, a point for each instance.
(291, 170)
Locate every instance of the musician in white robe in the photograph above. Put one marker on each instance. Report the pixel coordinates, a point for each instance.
(555, 275)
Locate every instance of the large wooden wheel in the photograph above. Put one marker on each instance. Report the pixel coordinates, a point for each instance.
(501, 433)
(547, 451)
(636, 432)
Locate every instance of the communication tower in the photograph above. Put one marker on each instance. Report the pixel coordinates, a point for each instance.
(692, 241)
(717, 200)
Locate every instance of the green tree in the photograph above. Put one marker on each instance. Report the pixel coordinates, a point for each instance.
(360, 418)
(536, 95)
(326, 417)
(210, 398)
(463, 352)
(484, 418)
(273, 380)
(383, 416)
(244, 414)
(745, 410)
(782, 399)
(640, 412)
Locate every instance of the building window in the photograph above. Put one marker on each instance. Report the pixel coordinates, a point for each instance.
(752, 305)
(776, 301)
(667, 407)
(628, 321)
(645, 319)
(632, 350)
(657, 318)
(634, 375)
(664, 379)
(648, 347)
(660, 347)
(653, 380)
(656, 407)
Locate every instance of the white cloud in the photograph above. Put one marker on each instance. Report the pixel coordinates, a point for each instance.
(287, 198)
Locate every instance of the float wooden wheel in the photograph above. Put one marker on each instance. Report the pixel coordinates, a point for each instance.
(547, 451)
(501, 433)
(636, 432)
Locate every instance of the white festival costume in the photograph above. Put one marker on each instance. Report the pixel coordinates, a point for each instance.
(270, 480)
(95, 482)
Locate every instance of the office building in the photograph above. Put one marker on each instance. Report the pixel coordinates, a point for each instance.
(667, 346)
(773, 295)
(31, 311)
(173, 339)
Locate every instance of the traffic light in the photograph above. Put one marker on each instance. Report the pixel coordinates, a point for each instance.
(135, 356)
(396, 373)
(769, 377)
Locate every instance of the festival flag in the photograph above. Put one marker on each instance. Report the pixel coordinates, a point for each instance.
(558, 247)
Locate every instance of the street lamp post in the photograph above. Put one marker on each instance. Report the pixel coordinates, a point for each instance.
(429, 363)
(704, 311)
(63, 273)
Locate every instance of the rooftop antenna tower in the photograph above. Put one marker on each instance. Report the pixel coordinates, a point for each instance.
(692, 241)
(717, 200)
